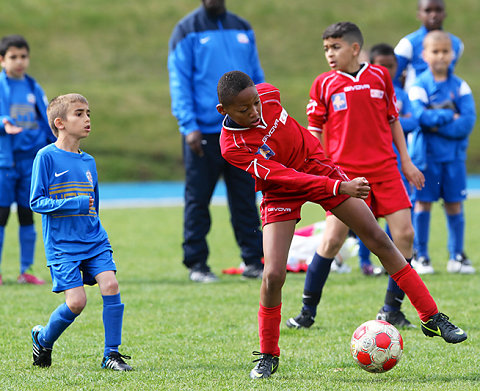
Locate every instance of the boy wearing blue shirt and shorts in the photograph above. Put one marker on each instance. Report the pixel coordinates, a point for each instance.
(65, 191)
(444, 106)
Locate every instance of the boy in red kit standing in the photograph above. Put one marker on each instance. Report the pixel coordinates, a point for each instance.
(290, 168)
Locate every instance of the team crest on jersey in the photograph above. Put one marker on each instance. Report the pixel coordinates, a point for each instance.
(374, 93)
(339, 101)
(89, 177)
(31, 99)
(242, 38)
(265, 151)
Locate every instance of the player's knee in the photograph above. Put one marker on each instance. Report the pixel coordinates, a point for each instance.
(110, 287)
(77, 303)
(4, 213)
(330, 246)
(274, 278)
(25, 216)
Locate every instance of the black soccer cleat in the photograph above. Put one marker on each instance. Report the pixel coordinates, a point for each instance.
(253, 271)
(42, 357)
(439, 326)
(114, 361)
(395, 318)
(303, 320)
(266, 366)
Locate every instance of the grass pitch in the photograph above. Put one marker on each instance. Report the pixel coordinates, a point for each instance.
(186, 336)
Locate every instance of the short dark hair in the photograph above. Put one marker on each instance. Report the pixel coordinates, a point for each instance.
(381, 49)
(346, 30)
(231, 84)
(14, 40)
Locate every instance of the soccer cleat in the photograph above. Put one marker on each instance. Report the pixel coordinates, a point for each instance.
(266, 366)
(26, 278)
(461, 264)
(42, 357)
(303, 320)
(395, 318)
(422, 265)
(339, 267)
(204, 276)
(253, 271)
(439, 326)
(115, 362)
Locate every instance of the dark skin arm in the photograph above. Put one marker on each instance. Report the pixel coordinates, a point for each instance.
(194, 141)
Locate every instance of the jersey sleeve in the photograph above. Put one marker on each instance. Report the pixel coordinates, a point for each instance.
(268, 170)
(316, 108)
(39, 200)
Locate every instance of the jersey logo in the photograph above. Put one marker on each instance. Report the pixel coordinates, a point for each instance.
(242, 38)
(57, 174)
(204, 40)
(265, 151)
(89, 177)
(378, 94)
(283, 116)
(339, 101)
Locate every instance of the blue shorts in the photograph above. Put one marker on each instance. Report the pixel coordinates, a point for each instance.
(73, 274)
(15, 184)
(444, 180)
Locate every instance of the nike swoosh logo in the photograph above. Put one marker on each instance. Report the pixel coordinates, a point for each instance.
(57, 174)
(459, 332)
(204, 40)
(437, 331)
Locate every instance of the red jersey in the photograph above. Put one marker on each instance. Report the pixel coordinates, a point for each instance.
(279, 152)
(354, 113)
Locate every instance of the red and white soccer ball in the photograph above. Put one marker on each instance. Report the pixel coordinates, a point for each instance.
(376, 346)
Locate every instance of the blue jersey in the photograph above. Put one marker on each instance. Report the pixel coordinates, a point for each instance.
(446, 114)
(62, 183)
(201, 49)
(409, 55)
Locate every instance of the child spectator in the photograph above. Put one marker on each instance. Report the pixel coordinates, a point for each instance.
(383, 54)
(353, 110)
(409, 49)
(290, 168)
(23, 131)
(65, 191)
(444, 106)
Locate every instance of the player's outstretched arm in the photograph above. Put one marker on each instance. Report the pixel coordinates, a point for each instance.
(357, 187)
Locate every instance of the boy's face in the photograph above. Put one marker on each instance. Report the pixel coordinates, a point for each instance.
(245, 109)
(341, 55)
(77, 123)
(389, 61)
(431, 13)
(15, 62)
(438, 54)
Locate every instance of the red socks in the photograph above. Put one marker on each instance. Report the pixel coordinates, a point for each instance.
(410, 282)
(269, 329)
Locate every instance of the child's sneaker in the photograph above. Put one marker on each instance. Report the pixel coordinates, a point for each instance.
(42, 357)
(267, 366)
(302, 320)
(422, 265)
(26, 278)
(396, 318)
(461, 264)
(114, 361)
(439, 326)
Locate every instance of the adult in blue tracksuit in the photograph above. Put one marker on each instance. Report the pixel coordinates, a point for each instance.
(445, 108)
(204, 45)
(23, 131)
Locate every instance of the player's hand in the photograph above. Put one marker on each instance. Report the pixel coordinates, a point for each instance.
(413, 175)
(194, 141)
(357, 187)
(90, 202)
(10, 128)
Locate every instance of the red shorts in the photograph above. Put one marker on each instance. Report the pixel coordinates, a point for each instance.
(286, 205)
(387, 197)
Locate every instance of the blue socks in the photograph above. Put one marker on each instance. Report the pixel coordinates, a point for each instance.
(60, 319)
(112, 322)
(27, 237)
(317, 274)
(456, 232)
(421, 223)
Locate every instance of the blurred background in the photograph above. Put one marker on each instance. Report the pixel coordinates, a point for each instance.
(115, 53)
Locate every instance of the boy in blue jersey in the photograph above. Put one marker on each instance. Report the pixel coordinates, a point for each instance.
(444, 106)
(409, 49)
(23, 131)
(65, 191)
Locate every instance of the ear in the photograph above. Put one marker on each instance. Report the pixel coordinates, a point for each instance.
(221, 109)
(356, 49)
(59, 123)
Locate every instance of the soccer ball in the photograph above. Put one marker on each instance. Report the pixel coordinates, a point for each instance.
(376, 346)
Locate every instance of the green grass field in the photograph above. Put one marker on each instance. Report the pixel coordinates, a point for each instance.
(185, 336)
(115, 53)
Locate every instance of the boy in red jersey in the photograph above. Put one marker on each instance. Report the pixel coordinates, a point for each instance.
(353, 111)
(290, 168)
